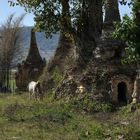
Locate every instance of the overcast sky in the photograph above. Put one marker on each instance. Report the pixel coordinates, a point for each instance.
(6, 10)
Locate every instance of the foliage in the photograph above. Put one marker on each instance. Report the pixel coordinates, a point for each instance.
(23, 119)
(124, 2)
(89, 105)
(101, 79)
(50, 16)
(128, 30)
(57, 76)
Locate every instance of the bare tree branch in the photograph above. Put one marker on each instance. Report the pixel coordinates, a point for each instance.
(9, 43)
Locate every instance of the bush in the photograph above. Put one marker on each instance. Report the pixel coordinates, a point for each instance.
(90, 106)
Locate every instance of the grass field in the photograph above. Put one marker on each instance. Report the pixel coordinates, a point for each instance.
(22, 119)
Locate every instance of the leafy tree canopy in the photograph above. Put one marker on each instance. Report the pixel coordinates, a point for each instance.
(50, 15)
(129, 31)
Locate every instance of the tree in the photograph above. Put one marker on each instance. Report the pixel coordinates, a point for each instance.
(10, 40)
(90, 28)
(81, 20)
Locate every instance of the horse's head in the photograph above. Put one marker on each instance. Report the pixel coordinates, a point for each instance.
(37, 82)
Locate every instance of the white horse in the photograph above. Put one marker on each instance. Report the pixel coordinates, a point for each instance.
(35, 90)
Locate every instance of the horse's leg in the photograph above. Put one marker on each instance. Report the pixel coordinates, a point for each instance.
(36, 93)
(37, 96)
(30, 95)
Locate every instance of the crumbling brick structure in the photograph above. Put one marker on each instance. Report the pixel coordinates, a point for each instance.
(31, 68)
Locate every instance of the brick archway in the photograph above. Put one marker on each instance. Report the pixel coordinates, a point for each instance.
(117, 81)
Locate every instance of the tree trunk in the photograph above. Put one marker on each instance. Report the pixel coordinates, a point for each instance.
(136, 10)
(65, 46)
(90, 28)
(66, 18)
(137, 13)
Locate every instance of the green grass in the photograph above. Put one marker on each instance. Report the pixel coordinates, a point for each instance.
(22, 119)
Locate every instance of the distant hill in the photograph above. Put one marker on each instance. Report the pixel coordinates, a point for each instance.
(46, 47)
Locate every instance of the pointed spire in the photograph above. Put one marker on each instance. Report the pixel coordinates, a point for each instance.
(33, 55)
(33, 39)
(111, 12)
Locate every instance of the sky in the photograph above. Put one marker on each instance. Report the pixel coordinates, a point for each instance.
(6, 10)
